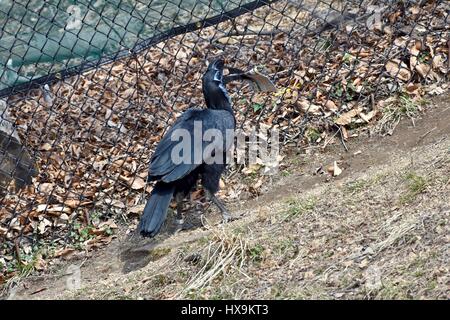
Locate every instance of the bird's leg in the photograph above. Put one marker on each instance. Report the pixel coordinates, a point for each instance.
(179, 217)
(225, 214)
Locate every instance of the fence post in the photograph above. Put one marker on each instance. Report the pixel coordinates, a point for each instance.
(15, 160)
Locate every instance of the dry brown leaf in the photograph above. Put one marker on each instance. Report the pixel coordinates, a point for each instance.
(197, 194)
(72, 203)
(42, 226)
(99, 165)
(426, 72)
(3, 230)
(347, 117)
(334, 169)
(128, 93)
(309, 107)
(398, 69)
(344, 133)
(53, 209)
(46, 187)
(136, 209)
(414, 89)
(439, 63)
(115, 203)
(75, 150)
(367, 116)
(228, 40)
(107, 224)
(138, 183)
(253, 168)
(258, 184)
(46, 147)
(331, 106)
(65, 252)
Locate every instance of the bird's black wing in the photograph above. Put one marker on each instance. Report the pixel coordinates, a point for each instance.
(194, 122)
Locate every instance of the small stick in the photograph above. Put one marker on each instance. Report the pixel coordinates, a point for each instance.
(448, 47)
(38, 291)
(17, 249)
(342, 139)
(326, 142)
(425, 134)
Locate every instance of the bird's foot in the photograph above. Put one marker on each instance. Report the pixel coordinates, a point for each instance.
(181, 225)
(227, 217)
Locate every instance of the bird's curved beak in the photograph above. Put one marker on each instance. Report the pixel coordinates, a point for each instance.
(259, 81)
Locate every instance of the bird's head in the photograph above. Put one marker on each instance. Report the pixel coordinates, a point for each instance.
(216, 95)
(214, 73)
(216, 65)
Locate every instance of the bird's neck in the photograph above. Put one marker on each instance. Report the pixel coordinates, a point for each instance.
(216, 97)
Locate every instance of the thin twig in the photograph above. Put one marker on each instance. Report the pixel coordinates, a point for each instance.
(327, 141)
(425, 134)
(342, 139)
(17, 249)
(448, 59)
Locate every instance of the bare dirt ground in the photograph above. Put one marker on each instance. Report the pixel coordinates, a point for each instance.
(380, 230)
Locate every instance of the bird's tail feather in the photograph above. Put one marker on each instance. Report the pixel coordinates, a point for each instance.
(155, 210)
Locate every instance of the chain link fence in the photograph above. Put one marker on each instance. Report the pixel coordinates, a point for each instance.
(88, 88)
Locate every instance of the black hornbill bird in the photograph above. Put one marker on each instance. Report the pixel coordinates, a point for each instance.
(177, 178)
